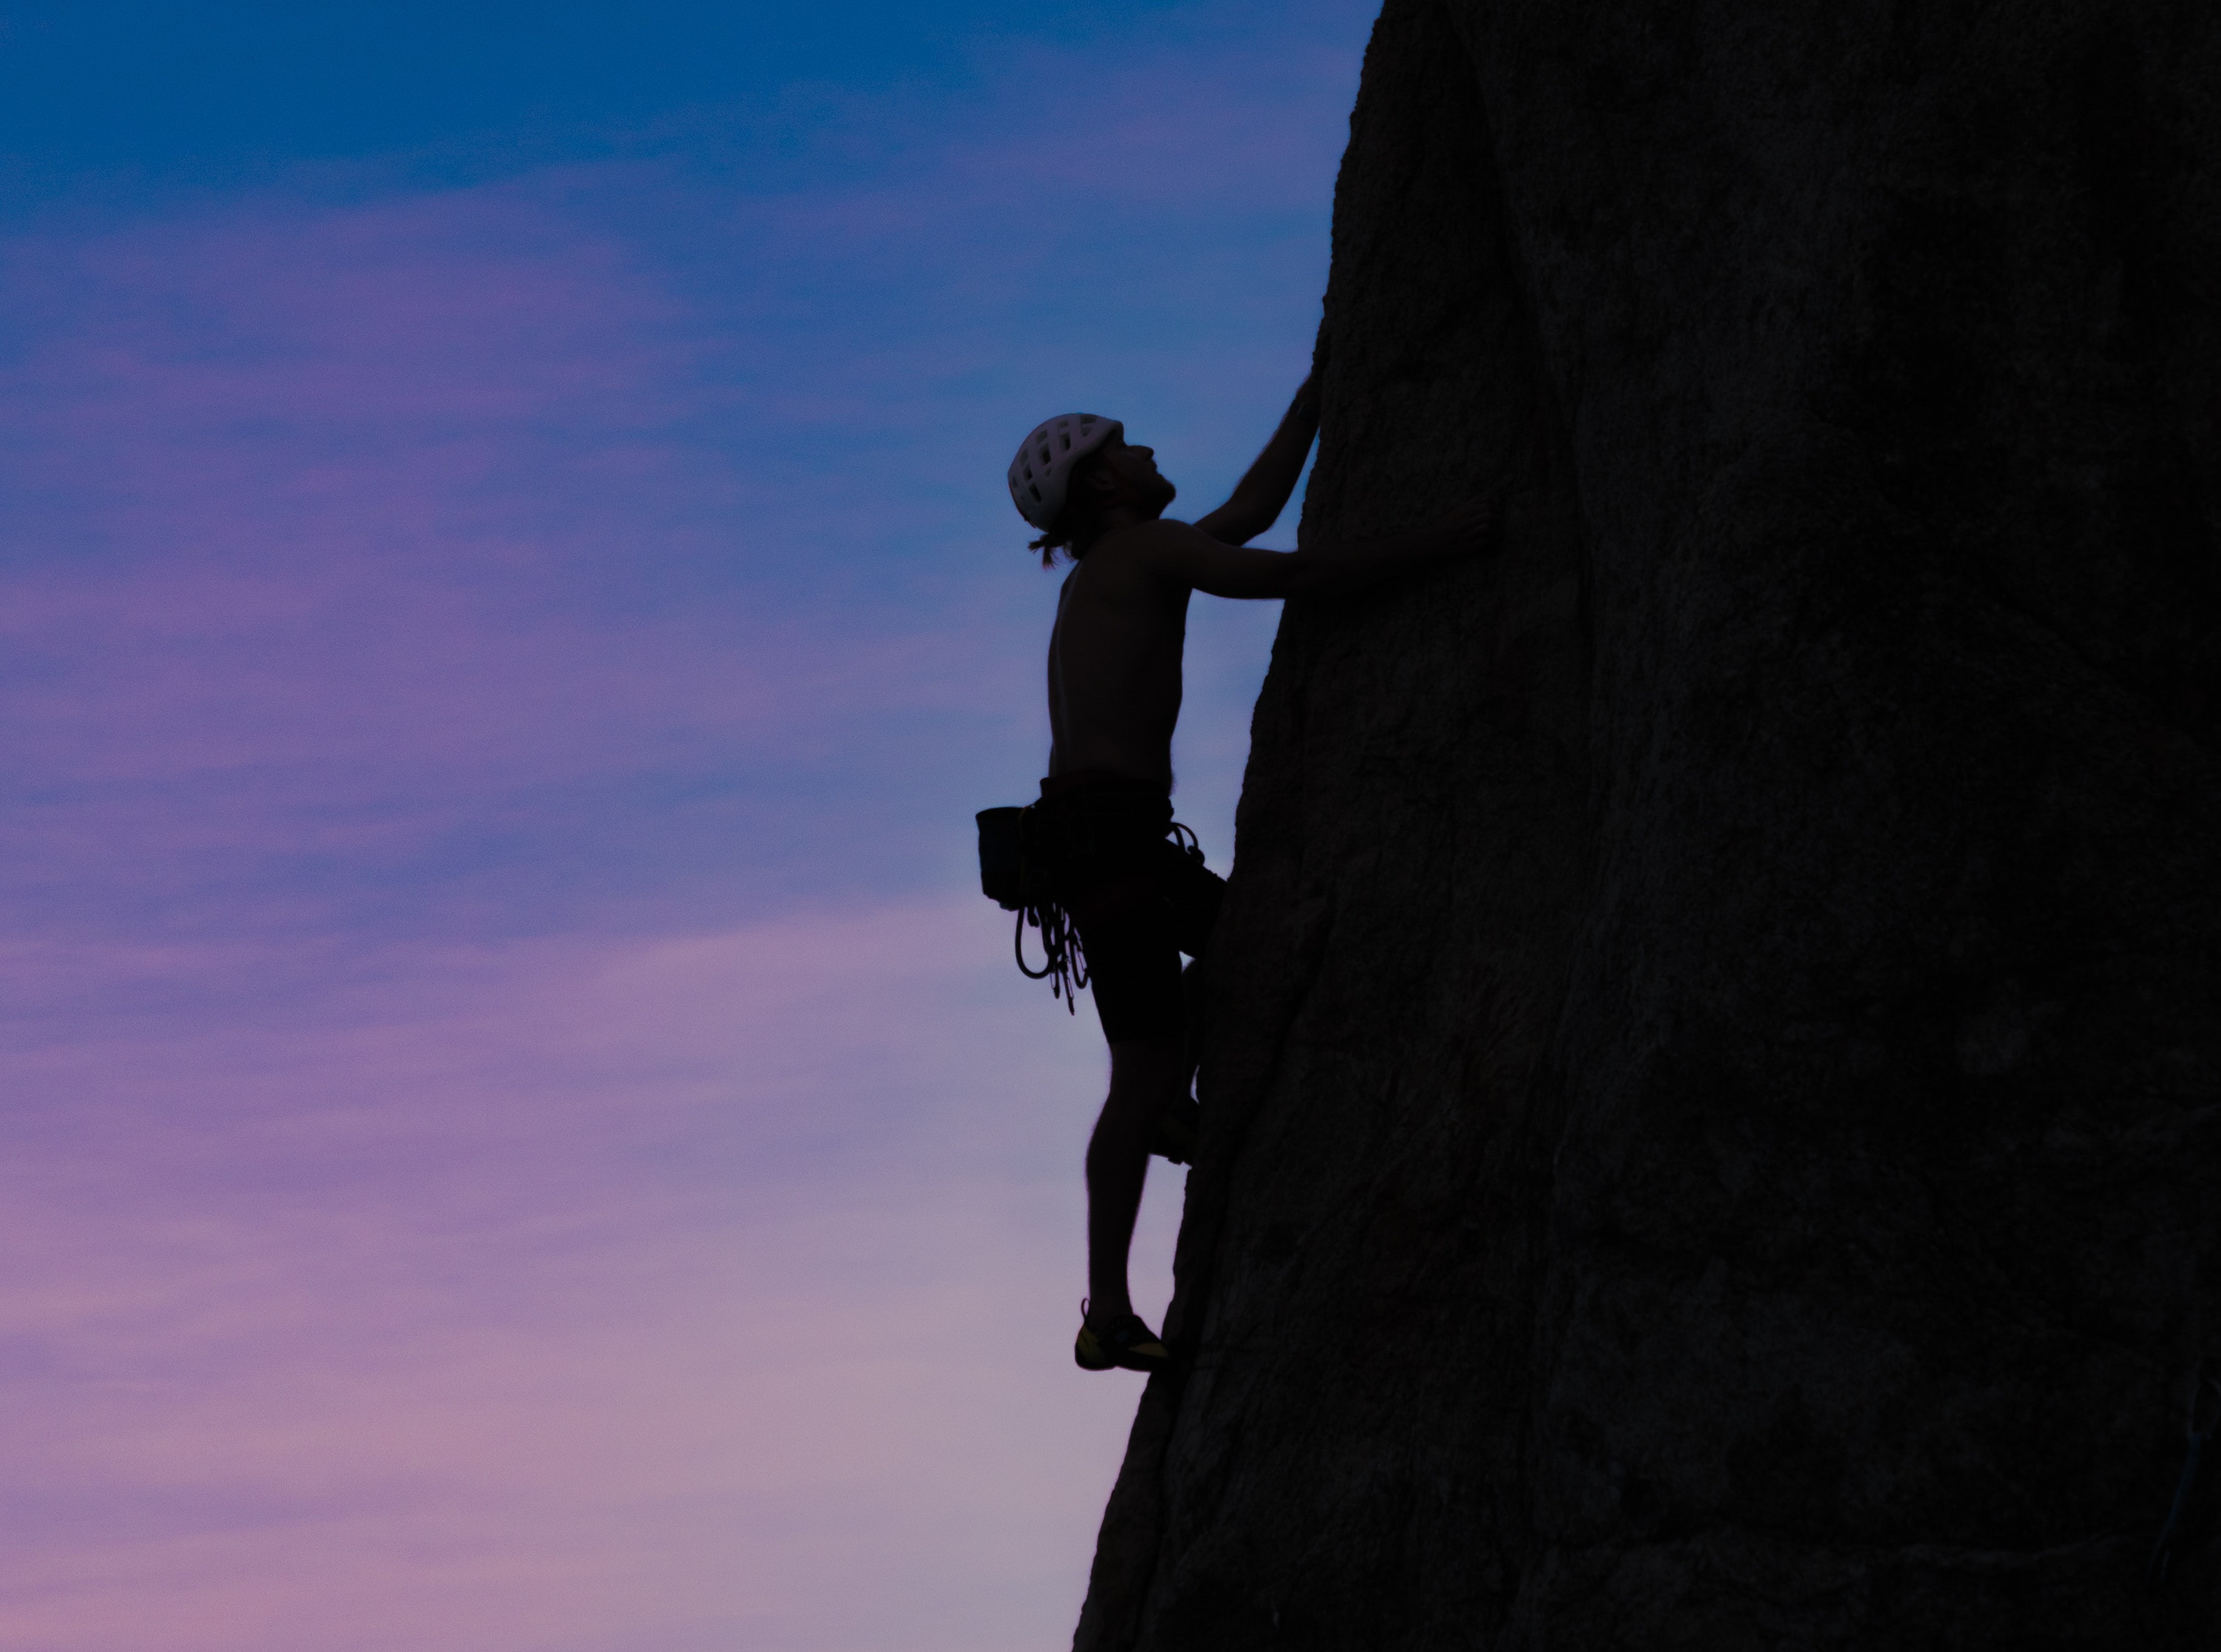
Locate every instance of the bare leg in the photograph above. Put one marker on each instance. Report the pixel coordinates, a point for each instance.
(1145, 1078)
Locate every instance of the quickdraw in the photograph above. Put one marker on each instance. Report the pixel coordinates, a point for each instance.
(1064, 962)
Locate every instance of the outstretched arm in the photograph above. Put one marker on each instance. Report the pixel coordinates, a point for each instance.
(1205, 564)
(1263, 491)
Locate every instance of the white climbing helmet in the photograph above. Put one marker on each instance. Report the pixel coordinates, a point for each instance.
(1042, 470)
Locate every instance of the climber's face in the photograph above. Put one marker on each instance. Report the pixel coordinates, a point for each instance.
(1132, 472)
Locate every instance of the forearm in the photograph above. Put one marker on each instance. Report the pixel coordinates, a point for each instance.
(1203, 560)
(1340, 570)
(1263, 491)
(1266, 485)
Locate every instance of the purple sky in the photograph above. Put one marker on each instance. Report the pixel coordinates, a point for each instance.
(523, 1133)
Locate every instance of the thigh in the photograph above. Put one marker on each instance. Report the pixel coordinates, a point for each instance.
(1127, 931)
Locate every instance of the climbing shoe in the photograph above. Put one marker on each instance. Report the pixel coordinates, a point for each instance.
(1175, 1136)
(1130, 1345)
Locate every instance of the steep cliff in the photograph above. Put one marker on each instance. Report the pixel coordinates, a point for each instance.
(1712, 1133)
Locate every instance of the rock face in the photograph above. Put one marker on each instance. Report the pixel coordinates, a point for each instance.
(1712, 1134)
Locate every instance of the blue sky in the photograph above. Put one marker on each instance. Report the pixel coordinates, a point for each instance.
(197, 93)
(529, 1136)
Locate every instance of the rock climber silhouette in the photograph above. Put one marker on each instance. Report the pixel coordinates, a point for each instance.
(1132, 882)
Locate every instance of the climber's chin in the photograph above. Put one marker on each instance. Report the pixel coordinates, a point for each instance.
(1131, 476)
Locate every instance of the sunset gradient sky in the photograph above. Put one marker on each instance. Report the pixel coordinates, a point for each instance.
(523, 1134)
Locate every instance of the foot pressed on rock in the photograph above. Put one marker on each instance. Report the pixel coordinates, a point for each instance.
(1175, 1134)
(1125, 1345)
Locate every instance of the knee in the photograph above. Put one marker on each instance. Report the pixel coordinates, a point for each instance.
(1144, 1079)
(1144, 1067)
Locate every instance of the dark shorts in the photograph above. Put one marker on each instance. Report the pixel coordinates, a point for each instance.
(1138, 899)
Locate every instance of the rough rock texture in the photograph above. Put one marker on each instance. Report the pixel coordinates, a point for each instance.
(1712, 1137)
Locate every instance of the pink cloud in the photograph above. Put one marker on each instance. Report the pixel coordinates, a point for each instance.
(348, 525)
(601, 1351)
(666, 1278)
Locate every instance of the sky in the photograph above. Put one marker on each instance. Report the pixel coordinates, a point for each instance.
(523, 1135)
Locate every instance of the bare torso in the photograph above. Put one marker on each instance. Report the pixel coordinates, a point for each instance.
(1114, 662)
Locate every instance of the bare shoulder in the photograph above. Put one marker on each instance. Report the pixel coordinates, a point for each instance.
(1166, 547)
(1141, 537)
(1139, 553)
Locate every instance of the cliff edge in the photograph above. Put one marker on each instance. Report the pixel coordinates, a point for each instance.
(1712, 1130)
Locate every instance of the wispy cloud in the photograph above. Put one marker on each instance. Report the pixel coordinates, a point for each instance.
(663, 1282)
(522, 1136)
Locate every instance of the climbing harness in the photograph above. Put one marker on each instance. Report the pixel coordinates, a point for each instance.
(2204, 1412)
(1015, 873)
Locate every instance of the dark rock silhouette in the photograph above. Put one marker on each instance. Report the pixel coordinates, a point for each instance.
(1712, 1137)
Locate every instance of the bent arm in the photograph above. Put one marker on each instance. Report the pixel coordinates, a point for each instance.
(1263, 493)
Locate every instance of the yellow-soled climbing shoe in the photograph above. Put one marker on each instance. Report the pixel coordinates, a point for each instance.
(1130, 1345)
